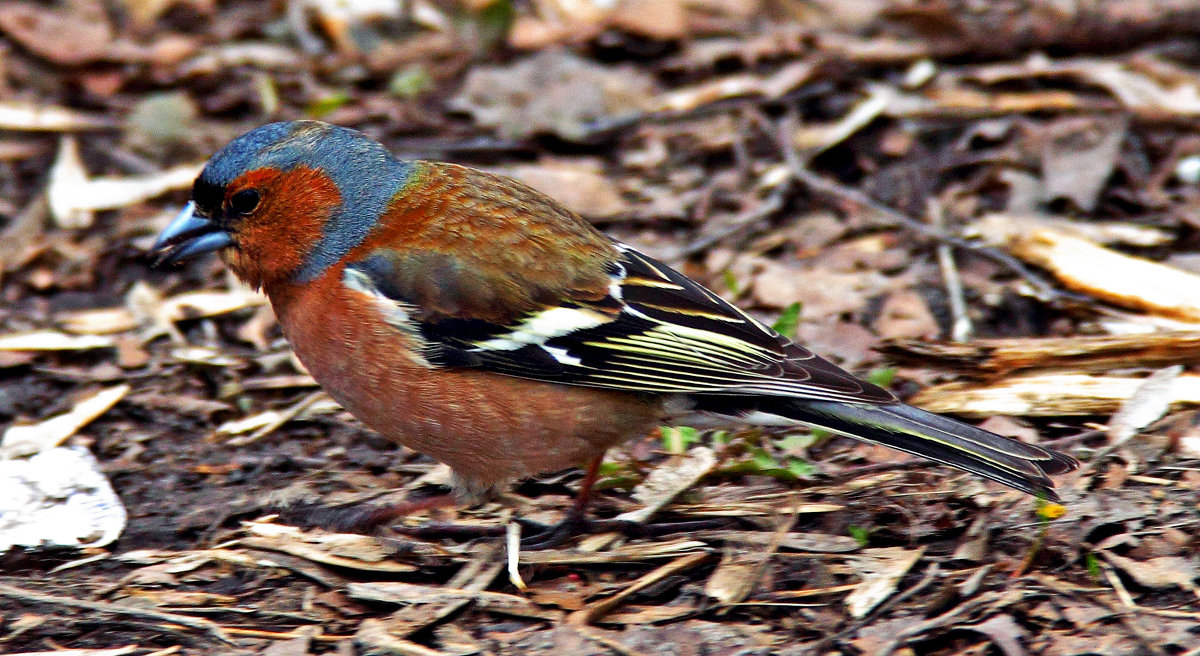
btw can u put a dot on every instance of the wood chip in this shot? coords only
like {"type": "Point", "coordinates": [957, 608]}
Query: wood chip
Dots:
{"type": "Point", "coordinates": [49, 340]}
{"type": "Point", "coordinates": [1047, 395]}
{"type": "Point", "coordinates": [1123, 280]}
{"type": "Point", "coordinates": [1076, 354]}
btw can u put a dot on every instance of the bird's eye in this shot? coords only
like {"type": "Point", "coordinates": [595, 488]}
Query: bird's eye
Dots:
{"type": "Point", "coordinates": [244, 201]}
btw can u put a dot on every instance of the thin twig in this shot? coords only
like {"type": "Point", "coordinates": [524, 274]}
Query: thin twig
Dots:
{"type": "Point", "coordinates": [745, 222]}
{"type": "Point", "coordinates": [961, 329]}
{"type": "Point", "coordinates": [199, 624]}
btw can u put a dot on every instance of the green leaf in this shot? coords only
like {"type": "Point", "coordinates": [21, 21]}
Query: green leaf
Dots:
{"type": "Point", "coordinates": [411, 82]}
{"type": "Point", "coordinates": [494, 22]}
{"type": "Point", "coordinates": [795, 442]}
{"type": "Point", "coordinates": [731, 282]}
{"type": "Point", "coordinates": [677, 439]}
{"type": "Point", "coordinates": [609, 468]}
{"type": "Point", "coordinates": [763, 460]}
{"type": "Point", "coordinates": [323, 106]}
{"type": "Point", "coordinates": [882, 376]}
{"type": "Point", "coordinates": [801, 468]}
{"type": "Point", "coordinates": [1092, 563]}
{"type": "Point", "coordinates": [860, 534]}
{"type": "Point", "coordinates": [788, 320]}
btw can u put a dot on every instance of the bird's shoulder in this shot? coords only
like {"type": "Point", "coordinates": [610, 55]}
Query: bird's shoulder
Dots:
{"type": "Point", "coordinates": [459, 243]}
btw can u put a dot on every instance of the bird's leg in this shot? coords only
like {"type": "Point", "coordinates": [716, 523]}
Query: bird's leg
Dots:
{"type": "Point", "coordinates": [575, 522]}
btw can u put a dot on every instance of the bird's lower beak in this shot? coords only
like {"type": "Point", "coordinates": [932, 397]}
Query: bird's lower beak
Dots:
{"type": "Point", "coordinates": [189, 235]}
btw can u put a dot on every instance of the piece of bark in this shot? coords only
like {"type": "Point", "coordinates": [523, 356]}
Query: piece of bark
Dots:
{"type": "Point", "coordinates": [1047, 395]}
{"type": "Point", "coordinates": [1076, 354]}
{"type": "Point", "coordinates": [1123, 280]}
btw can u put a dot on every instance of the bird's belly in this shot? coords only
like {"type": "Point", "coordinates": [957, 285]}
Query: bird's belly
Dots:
{"type": "Point", "coordinates": [488, 428]}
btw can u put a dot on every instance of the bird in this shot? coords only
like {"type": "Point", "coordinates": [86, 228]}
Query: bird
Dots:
{"type": "Point", "coordinates": [477, 321]}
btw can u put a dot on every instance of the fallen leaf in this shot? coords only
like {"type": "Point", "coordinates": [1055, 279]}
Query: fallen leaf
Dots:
{"type": "Point", "coordinates": [881, 570]}
{"type": "Point", "coordinates": [1157, 573]}
{"type": "Point", "coordinates": [668, 480]}
{"type": "Point", "coordinates": [552, 91]}
{"type": "Point", "coordinates": [52, 432]}
{"type": "Point", "coordinates": [69, 37]}
{"type": "Point", "coordinates": [1147, 404]}
{"type": "Point", "coordinates": [1078, 157]}
{"type": "Point", "coordinates": [74, 196]}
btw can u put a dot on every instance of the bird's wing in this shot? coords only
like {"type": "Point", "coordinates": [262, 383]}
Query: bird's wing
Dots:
{"type": "Point", "coordinates": [651, 330]}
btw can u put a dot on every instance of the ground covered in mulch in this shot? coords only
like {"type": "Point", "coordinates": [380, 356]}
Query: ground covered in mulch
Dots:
{"type": "Point", "coordinates": [989, 207]}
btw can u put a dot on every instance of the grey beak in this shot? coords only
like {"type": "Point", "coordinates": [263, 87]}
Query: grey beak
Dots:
{"type": "Point", "coordinates": [188, 236]}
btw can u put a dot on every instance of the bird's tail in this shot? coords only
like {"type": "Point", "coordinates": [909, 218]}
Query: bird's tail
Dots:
{"type": "Point", "coordinates": [1016, 464]}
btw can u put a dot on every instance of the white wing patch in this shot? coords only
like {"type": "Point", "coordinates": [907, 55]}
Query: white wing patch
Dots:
{"type": "Point", "coordinates": [544, 326]}
{"type": "Point", "coordinates": [396, 313]}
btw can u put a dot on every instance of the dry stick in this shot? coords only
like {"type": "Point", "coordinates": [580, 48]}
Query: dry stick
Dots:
{"type": "Point", "coordinates": [962, 329]}
{"type": "Point", "coordinates": [605, 606]}
{"type": "Point", "coordinates": [800, 172]}
{"type": "Point", "coordinates": [746, 221]}
{"type": "Point", "coordinates": [211, 628]}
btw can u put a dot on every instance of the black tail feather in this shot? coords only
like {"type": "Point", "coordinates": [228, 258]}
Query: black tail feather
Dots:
{"type": "Point", "coordinates": [1016, 464]}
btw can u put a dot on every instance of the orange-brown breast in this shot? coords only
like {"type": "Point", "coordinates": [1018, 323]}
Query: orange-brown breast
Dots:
{"type": "Point", "coordinates": [489, 428]}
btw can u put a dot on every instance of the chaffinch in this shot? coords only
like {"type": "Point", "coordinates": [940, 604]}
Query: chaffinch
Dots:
{"type": "Point", "coordinates": [478, 321]}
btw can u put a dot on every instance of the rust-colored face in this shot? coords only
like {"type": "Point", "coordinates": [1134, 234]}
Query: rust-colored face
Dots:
{"type": "Point", "coordinates": [272, 239]}
{"type": "Point", "coordinates": [264, 223]}
{"type": "Point", "coordinates": [286, 201]}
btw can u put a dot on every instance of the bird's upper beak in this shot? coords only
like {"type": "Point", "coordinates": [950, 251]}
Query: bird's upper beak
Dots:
{"type": "Point", "coordinates": [189, 235]}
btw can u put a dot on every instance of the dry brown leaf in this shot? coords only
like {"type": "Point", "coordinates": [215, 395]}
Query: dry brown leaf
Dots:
{"type": "Point", "coordinates": [356, 552]}
{"type": "Point", "coordinates": [882, 570]}
{"type": "Point", "coordinates": [779, 83]}
{"type": "Point", "coordinates": [1157, 573]}
{"type": "Point", "coordinates": [905, 314]}
{"type": "Point", "coordinates": [1003, 631]}
{"type": "Point", "coordinates": [395, 592]}
{"type": "Point", "coordinates": [1078, 157]}
{"type": "Point", "coordinates": [1148, 403]}
{"type": "Point", "coordinates": [71, 37]}
{"type": "Point", "coordinates": [668, 481]}
{"type": "Point", "coordinates": [554, 92]}
{"type": "Point", "coordinates": [47, 118]}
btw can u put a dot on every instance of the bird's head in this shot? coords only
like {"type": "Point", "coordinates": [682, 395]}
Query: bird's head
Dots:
{"type": "Point", "coordinates": [285, 201]}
